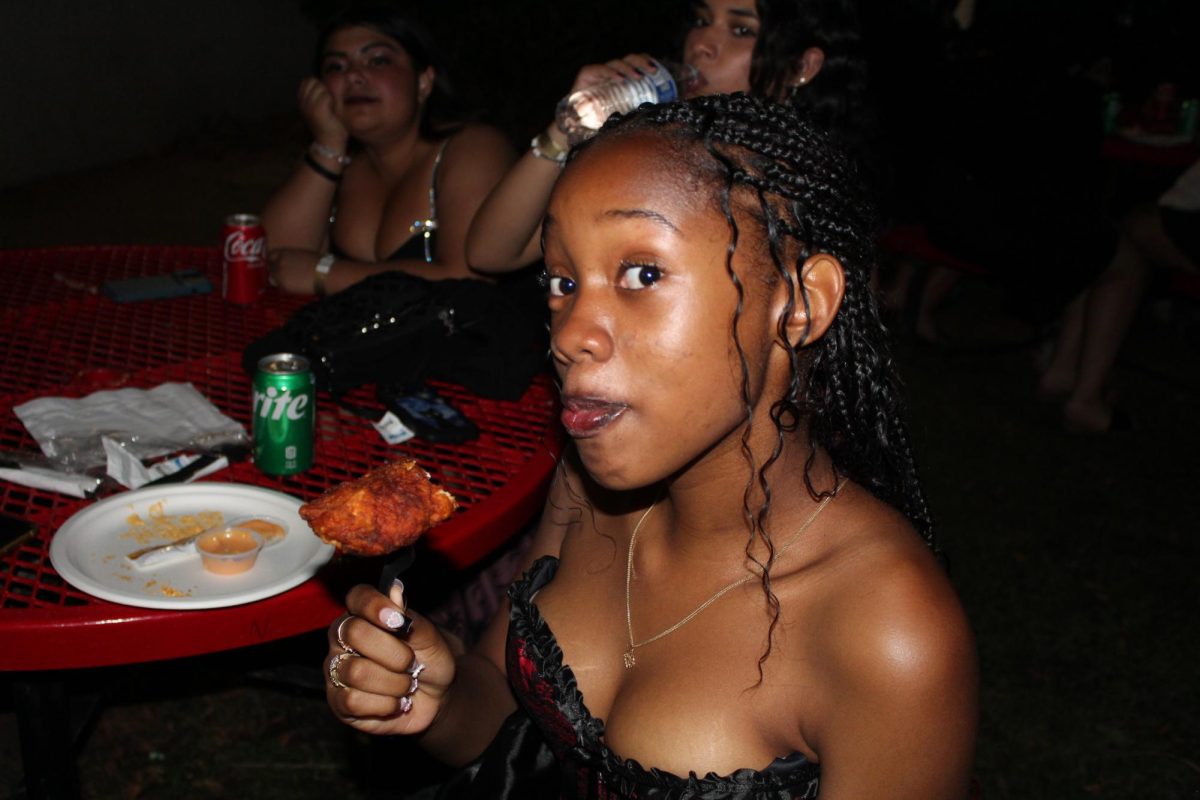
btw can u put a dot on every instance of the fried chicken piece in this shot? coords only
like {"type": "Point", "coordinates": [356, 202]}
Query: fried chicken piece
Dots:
{"type": "Point", "coordinates": [384, 510]}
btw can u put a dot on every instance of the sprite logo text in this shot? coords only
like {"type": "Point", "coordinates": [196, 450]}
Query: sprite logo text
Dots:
{"type": "Point", "coordinates": [273, 404]}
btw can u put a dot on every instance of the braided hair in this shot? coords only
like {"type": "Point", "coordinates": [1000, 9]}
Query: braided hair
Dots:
{"type": "Point", "coordinates": [838, 101]}
{"type": "Point", "coordinates": [780, 173]}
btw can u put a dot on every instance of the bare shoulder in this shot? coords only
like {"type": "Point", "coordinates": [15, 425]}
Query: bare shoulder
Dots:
{"type": "Point", "coordinates": [898, 616]}
{"type": "Point", "coordinates": [896, 662]}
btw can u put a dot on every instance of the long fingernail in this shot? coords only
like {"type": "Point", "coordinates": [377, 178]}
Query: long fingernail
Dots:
{"type": "Point", "coordinates": [392, 618]}
{"type": "Point", "coordinates": [405, 704]}
{"type": "Point", "coordinates": [397, 593]}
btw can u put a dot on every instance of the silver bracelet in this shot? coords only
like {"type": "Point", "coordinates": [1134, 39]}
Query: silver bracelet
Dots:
{"type": "Point", "coordinates": [545, 147]}
{"type": "Point", "coordinates": [316, 148]}
{"type": "Point", "coordinates": [320, 273]}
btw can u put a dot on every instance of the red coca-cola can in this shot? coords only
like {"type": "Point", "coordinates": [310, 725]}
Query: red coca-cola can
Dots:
{"type": "Point", "coordinates": [245, 244]}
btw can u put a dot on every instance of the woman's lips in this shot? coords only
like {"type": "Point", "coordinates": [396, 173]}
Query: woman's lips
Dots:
{"type": "Point", "coordinates": [584, 417]}
{"type": "Point", "coordinates": [357, 100]}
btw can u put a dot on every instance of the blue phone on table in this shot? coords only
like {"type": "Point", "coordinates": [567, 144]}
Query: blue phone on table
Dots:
{"type": "Point", "coordinates": [180, 283]}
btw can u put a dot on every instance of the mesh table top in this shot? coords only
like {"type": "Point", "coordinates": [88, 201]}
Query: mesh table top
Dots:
{"type": "Point", "coordinates": [60, 338]}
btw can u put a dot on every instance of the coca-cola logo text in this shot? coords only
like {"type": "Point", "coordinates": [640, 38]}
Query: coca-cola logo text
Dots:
{"type": "Point", "coordinates": [240, 247]}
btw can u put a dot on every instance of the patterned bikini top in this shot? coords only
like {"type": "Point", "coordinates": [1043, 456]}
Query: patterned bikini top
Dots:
{"type": "Point", "coordinates": [422, 239]}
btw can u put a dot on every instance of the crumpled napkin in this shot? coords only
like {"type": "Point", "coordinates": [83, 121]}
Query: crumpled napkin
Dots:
{"type": "Point", "coordinates": [128, 470]}
{"type": "Point", "coordinates": [141, 423]}
{"type": "Point", "coordinates": [68, 483]}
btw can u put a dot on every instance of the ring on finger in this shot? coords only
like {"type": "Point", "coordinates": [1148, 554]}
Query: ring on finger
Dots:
{"type": "Point", "coordinates": [336, 662]}
{"type": "Point", "coordinates": [339, 633]}
{"type": "Point", "coordinates": [415, 671]}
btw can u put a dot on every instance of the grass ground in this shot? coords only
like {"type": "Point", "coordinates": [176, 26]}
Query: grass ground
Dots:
{"type": "Point", "coordinates": [1075, 556]}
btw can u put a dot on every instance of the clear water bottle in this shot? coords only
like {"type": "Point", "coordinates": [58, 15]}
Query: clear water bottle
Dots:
{"type": "Point", "coordinates": [580, 114]}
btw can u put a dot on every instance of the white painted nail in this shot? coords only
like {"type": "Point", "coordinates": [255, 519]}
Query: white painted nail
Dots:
{"type": "Point", "coordinates": [391, 618]}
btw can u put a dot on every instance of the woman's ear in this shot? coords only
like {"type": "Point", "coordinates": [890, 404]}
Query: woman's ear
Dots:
{"type": "Point", "coordinates": [425, 84]}
{"type": "Point", "coordinates": [824, 283]}
{"type": "Point", "coordinates": [807, 66]}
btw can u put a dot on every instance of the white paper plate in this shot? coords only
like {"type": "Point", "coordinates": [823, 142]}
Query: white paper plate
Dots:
{"type": "Point", "coordinates": [88, 551]}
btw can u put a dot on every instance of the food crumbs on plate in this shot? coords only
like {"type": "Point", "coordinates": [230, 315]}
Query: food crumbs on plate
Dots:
{"type": "Point", "coordinates": [166, 589]}
{"type": "Point", "coordinates": [126, 578]}
{"type": "Point", "coordinates": [158, 527]}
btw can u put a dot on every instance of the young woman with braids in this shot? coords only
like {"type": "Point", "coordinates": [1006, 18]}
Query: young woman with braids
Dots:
{"type": "Point", "coordinates": [732, 592]}
{"type": "Point", "coordinates": [804, 52]}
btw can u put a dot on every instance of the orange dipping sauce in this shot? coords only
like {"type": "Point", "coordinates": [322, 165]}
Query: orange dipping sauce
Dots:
{"type": "Point", "coordinates": [229, 551]}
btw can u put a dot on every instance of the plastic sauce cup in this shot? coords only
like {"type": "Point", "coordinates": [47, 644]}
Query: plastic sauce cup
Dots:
{"type": "Point", "coordinates": [229, 550]}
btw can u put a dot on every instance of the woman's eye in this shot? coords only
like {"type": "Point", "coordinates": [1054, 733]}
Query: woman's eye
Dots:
{"type": "Point", "coordinates": [379, 61]}
{"type": "Point", "coordinates": [639, 276]}
{"type": "Point", "coordinates": [331, 67]}
{"type": "Point", "coordinates": [558, 286]}
{"type": "Point", "coordinates": [742, 31]}
{"type": "Point", "coordinates": [697, 22]}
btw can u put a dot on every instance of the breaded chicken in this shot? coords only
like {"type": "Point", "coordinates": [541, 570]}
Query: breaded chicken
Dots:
{"type": "Point", "coordinates": [384, 510]}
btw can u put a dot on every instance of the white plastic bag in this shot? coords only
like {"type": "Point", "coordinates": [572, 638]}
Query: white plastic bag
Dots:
{"type": "Point", "coordinates": [145, 422]}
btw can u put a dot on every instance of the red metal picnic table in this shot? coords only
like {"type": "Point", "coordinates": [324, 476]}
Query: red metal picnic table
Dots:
{"type": "Point", "coordinates": [62, 338]}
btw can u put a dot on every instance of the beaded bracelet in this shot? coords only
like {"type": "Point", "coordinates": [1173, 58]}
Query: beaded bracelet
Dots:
{"type": "Point", "coordinates": [316, 167]}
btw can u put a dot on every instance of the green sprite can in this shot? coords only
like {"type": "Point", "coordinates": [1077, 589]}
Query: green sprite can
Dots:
{"type": "Point", "coordinates": [285, 414]}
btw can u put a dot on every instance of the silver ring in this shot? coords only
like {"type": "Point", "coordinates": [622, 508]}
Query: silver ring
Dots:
{"type": "Point", "coordinates": [415, 672]}
{"type": "Point", "coordinates": [336, 662]}
{"type": "Point", "coordinates": [341, 641]}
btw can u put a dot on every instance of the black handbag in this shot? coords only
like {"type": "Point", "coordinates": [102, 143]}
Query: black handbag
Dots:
{"type": "Point", "coordinates": [395, 329]}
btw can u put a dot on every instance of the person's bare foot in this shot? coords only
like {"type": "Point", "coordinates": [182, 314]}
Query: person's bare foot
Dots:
{"type": "Point", "coordinates": [1094, 417]}
{"type": "Point", "coordinates": [1056, 384]}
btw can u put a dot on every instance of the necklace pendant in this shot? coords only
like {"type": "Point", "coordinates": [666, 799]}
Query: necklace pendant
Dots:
{"type": "Point", "coordinates": [629, 659]}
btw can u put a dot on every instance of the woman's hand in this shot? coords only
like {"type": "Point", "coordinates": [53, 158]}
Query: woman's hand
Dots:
{"type": "Point", "coordinates": [293, 271]}
{"type": "Point", "coordinates": [391, 682]}
{"type": "Point", "coordinates": [631, 67]}
{"type": "Point", "coordinates": [316, 105]}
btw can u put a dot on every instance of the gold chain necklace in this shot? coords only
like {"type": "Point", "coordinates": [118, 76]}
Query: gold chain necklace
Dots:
{"type": "Point", "coordinates": [630, 659]}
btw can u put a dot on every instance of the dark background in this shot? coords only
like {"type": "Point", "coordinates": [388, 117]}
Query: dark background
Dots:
{"type": "Point", "coordinates": [1075, 556]}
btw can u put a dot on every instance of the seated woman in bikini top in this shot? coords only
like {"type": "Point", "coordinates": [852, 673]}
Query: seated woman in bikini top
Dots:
{"type": "Point", "coordinates": [391, 180]}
